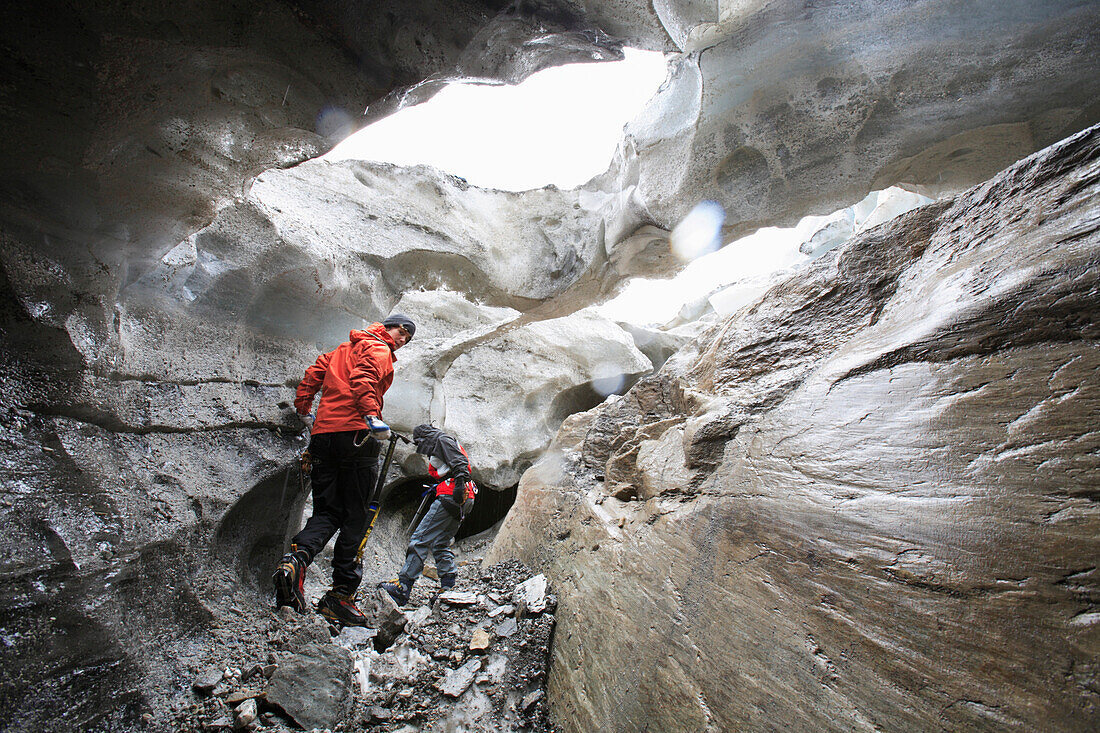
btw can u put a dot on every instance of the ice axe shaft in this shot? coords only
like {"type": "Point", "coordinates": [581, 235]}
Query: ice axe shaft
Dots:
{"type": "Point", "coordinates": [374, 502]}
{"type": "Point", "coordinates": [305, 465]}
{"type": "Point", "coordinates": [376, 493]}
{"type": "Point", "coordinates": [428, 496]}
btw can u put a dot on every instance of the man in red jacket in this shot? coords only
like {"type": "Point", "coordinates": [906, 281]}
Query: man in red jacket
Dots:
{"type": "Point", "coordinates": [344, 446]}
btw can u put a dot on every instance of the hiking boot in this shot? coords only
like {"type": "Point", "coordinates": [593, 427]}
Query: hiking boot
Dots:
{"type": "Point", "coordinates": [289, 580]}
{"type": "Point", "coordinates": [399, 589]}
{"type": "Point", "coordinates": [446, 582]}
{"type": "Point", "coordinates": [339, 608]}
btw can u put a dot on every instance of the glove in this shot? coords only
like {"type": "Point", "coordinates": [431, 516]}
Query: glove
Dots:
{"type": "Point", "coordinates": [379, 430]}
{"type": "Point", "coordinates": [451, 508]}
{"type": "Point", "coordinates": [308, 420]}
{"type": "Point", "coordinates": [460, 491]}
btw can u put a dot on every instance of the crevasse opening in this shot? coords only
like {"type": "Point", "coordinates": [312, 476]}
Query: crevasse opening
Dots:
{"type": "Point", "coordinates": [559, 126]}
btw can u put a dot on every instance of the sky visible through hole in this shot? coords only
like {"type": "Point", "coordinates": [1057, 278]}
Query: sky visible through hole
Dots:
{"type": "Point", "coordinates": [559, 126]}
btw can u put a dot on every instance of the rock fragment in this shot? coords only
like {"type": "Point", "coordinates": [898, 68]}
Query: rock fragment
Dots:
{"type": "Point", "coordinates": [313, 686]}
{"type": "Point", "coordinates": [357, 637]}
{"type": "Point", "coordinates": [205, 683]}
{"type": "Point", "coordinates": [530, 595]}
{"type": "Point", "coordinates": [380, 714]}
{"type": "Point", "coordinates": [383, 614]}
{"type": "Point", "coordinates": [507, 610]}
{"type": "Point", "coordinates": [237, 698]}
{"type": "Point", "coordinates": [531, 699]}
{"type": "Point", "coordinates": [418, 617]}
{"type": "Point", "coordinates": [479, 642]}
{"type": "Point", "coordinates": [459, 680]}
{"type": "Point", "coordinates": [458, 598]}
{"type": "Point", "coordinates": [245, 714]}
{"type": "Point", "coordinates": [506, 628]}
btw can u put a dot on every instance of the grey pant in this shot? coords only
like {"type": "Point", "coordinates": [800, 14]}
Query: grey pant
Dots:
{"type": "Point", "coordinates": [433, 534]}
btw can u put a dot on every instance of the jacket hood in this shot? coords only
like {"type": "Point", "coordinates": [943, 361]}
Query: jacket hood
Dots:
{"type": "Point", "coordinates": [426, 438]}
{"type": "Point", "coordinates": [374, 331]}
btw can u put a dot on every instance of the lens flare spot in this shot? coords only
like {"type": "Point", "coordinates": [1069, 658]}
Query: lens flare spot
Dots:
{"type": "Point", "coordinates": [699, 233]}
{"type": "Point", "coordinates": [608, 379]}
{"type": "Point", "coordinates": [334, 123]}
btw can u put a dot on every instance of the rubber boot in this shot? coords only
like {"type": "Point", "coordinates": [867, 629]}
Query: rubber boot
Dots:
{"type": "Point", "coordinates": [339, 608]}
{"type": "Point", "coordinates": [289, 580]}
{"type": "Point", "coordinates": [399, 589]}
{"type": "Point", "coordinates": [446, 582]}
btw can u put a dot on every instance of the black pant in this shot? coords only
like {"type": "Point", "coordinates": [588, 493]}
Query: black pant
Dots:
{"type": "Point", "coordinates": [343, 476]}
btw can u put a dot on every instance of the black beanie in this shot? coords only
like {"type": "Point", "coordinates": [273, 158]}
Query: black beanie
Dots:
{"type": "Point", "coordinates": [400, 319]}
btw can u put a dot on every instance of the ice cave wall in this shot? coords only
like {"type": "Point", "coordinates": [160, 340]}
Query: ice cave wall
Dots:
{"type": "Point", "coordinates": [867, 501]}
{"type": "Point", "coordinates": [159, 302]}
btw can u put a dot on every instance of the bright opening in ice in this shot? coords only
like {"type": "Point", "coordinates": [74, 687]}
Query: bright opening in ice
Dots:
{"type": "Point", "coordinates": [559, 126]}
{"type": "Point", "coordinates": [723, 281]}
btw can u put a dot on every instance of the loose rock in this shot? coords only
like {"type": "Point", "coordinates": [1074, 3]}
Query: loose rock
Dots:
{"type": "Point", "coordinates": [530, 595]}
{"type": "Point", "coordinates": [206, 682]}
{"type": "Point", "coordinates": [458, 598]}
{"type": "Point", "coordinates": [383, 614]}
{"type": "Point", "coordinates": [237, 698]}
{"type": "Point", "coordinates": [314, 686]}
{"type": "Point", "coordinates": [246, 714]}
{"type": "Point", "coordinates": [531, 699]}
{"type": "Point", "coordinates": [479, 642]}
{"type": "Point", "coordinates": [458, 680]}
{"type": "Point", "coordinates": [502, 610]}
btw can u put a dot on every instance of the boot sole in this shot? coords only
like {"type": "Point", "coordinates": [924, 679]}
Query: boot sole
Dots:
{"type": "Point", "coordinates": [285, 592]}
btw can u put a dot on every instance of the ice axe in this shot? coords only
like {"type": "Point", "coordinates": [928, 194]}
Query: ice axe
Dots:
{"type": "Point", "coordinates": [374, 501]}
{"type": "Point", "coordinates": [429, 491]}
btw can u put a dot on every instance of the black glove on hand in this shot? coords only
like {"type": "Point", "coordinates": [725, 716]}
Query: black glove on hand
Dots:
{"type": "Point", "coordinates": [451, 508]}
{"type": "Point", "coordinates": [460, 491]}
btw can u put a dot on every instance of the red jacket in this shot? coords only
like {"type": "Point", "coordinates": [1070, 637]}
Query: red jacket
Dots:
{"type": "Point", "coordinates": [447, 488]}
{"type": "Point", "coordinates": [352, 379]}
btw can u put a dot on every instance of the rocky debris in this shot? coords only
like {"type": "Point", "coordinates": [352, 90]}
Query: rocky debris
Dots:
{"type": "Point", "coordinates": [507, 610]}
{"type": "Point", "coordinates": [359, 637]}
{"type": "Point", "coordinates": [451, 669]}
{"type": "Point", "coordinates": [506, 628]}
{"type": "Point", "coordinates": [531, 699]}
{"type": "Point", "coordinates": [237, 698]}
{"type": "Point", "coordinates": [463, 663]}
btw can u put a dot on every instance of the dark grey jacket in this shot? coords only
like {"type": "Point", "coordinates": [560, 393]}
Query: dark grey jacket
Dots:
{"type": "Point", "coordinates": [434, 443]}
